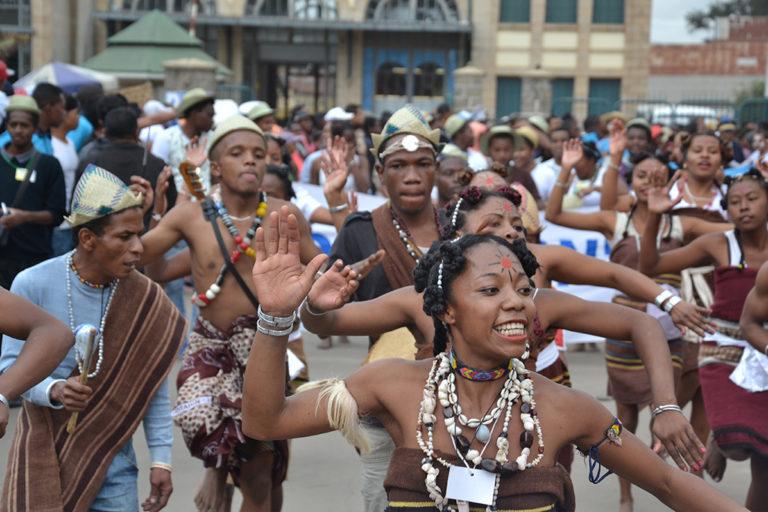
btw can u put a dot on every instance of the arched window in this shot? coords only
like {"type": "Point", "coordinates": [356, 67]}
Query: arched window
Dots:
{"type": "Point", "coordinates": [412, 10]}
{"type": "Point", "coordinates": [390, 79]}
{"type": "Point", "coordinates": [428, 80]}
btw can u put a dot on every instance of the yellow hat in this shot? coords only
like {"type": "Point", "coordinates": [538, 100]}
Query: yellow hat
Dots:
{"type": "Point", "coordinates": [528, 134]}
{"type": "Point", "coordinates": [501, 130]}
{"type": "Point", "coordinates": [610, 116]}
{"type": "Point", "coordinates": [539, 122]}
{"type": "Point", "coordinates": [452, 150]}
{"type": "Point", "coordinates": [235, 123]}
{"type": "Point", "coordinates": [407, 120]}
{"type": "Point", "coordinates": [259, 110]}
{"type": "Point", "coordinates": [724, 127]}
{"type": "Point", "coordinates": [454, 124]}
{"type": "Point", "coordinates": [100, 193]}
{"type": "Point", "coordinates": [191, 98]}
{"type": "Point", "coordinates": [23, 104]}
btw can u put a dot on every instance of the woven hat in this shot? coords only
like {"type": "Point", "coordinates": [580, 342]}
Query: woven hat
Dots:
{"type": "Point", "coordinates": [452, 150]}
{"type": "Point", "coordinates": [407, 120]}
{"type": "Point", "coordinates": [22, 104]}
{"type": "Point", "coordinates": [259, 110]}
{"type": "Point", "coordinates": [191, 98]}
{"type": "Point", "coordinates": [454, 124]}
{"type": "Point", "coordinates": [610, 116]}
{"type": "Point", "coordinates": [100, 193]}
{"type": "Point", "coordinates": [539, 122]}
{"type": "Point", "coordinates": [501, 130]}
{"type": "Point", "coordinates": [232, 124]}
{"type": "Point", "coordinates": [528, 134]}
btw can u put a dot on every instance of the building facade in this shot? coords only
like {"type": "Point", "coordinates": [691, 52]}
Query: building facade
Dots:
{"type": "Point", "coordinates": [505, 56]}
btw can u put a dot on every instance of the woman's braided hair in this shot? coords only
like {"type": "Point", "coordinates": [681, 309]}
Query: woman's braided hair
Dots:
{"type": "Point", "coordinates": [471, 198]}
{"type": "Point", "coordinates": [445, 261]}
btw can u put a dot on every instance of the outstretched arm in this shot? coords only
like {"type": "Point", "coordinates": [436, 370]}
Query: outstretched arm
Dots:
{"type": "Point", "coordinates": [755, 312]}
{"type": "Point", "coordinates": [569, 266]}
{"type": "Point", "coordinates": [637, 463]}
{"type": "Point", "coordinates": [565, 311]}
{"type": "Point", "coordinates": [367, 318]}
{"type": "Point", "coordinates": [281, 284]}
{"type": "Point", "coordinates": [158, 240]}
{"type": "Point", "coordinates": [610, 199]}
{"type": "Point", "coordinates": [602, 221]}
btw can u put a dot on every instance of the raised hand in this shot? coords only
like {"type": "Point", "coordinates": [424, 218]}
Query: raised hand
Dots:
{"type": "Point", "coordinates": [618, 138]}
{"type": "Point", "coordinates": [281, 282]}
{"type": "Point", "coordinates": [335, 167]}
{"type": "Point", "coordinates": [364, 267]}
{"type": "Point", "coordinates": [572, 153]}
{"type": "Point", "coordinates": [658, 193]}
{"type": "Point", "coordinates": [196, 151]}
{"type": "Point", "coordinates": [141, 186]}
{"type": "Point", "coordinates": [333, 288]}
{"type": "Point", "coordinates": [161, 188]}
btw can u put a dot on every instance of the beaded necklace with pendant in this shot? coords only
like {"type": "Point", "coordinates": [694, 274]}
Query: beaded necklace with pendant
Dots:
{"type": "Point", "coordinates": [405, 236]}
{"type": "Point", "coordinates": [242, 246]}
{"type": "Point", "coordinates": [102, 323]}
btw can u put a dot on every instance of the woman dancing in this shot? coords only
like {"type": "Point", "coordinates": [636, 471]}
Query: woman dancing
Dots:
{"type": "Point", "coordinates": [736, 402]}
{"type": "Point", "coordinates": [481, 416]}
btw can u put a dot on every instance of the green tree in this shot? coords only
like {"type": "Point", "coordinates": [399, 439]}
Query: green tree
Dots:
{"type": "Point", "coordinates": [704, 18]}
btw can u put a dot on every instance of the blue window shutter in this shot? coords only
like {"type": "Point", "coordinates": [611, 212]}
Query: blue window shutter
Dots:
{"type": "Point", "coordinates": [515, 11]}
{"type": "Point", "coordinates": [562, 94]}
{"type": "Point", "coordinates": [603, 95]}
{"type": "Point", "coordinates": [508, 96]}
{"type": "Point", "coordinates": [561, 11]}
{"type": "Point", "coordinates": [608, 11]}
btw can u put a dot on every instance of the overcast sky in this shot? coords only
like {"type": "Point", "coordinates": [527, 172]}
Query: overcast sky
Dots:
{"type": "Point", "coordinates": [668, 21]}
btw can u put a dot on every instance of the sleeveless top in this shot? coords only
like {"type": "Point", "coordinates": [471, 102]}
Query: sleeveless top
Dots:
{"type": "Point", "coordinates": [732, 283]}
{"type": "Point", "coordinates": [539, 488]}
{"type": "Point", "coordinates": [625, 245]}
{"type": "Point", "coordinates": [712, 212]}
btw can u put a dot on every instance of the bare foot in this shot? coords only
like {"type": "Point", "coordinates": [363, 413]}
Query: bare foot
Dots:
{"type": "Point", "coordinates": [626, 506]}
{"type": "Point", "coordinates": [325, 343]}
{"type": "Point", "coordinates": [715, 461]}
{"type": "Point", "coordinates": [214, 495]}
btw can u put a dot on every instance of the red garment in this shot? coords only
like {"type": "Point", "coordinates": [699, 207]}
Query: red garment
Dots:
{"type": "Point", "coordinates": [732, 285]}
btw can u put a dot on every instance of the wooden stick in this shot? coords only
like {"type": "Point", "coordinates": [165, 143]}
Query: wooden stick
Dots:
{"type": "Point", "coordinates": [89, 332]}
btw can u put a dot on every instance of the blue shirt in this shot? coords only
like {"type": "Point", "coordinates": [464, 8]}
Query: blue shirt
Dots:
{"type": "Point", "coordinates": [45, 285]}
{"type": "Point", "coordinates": [41, 141]}
{"type": "Point", "coordinates": [82, 134]}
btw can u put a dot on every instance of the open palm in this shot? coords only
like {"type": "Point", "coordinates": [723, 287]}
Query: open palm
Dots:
{"type": "Point", "coordinates": [658, 194]}
{"type": "Point", "coordinates": [280, 280]}
{"type": "Point", "coordinates": [572, 153]}
{"type": "Point", "coordinates": [335, 166]}
{"type": "Point", "coordinates": [333, 288]}
{"type": "Point", "coordinates": [618, 140]}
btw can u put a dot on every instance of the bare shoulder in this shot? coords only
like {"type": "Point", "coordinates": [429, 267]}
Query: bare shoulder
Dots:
{"type": "Point", "coordinates": [184, 213]}
{"type": "Point", "coordinates": [390, 375]}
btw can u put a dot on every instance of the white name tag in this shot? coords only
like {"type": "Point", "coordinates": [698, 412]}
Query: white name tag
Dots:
{"type": "Point", "coordinates": [21, 175]}
{"type": "Point", "coordinates": [472, 485]}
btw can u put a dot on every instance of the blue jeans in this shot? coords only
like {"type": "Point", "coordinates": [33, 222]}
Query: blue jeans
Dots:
{"type": "Point", "coordinates": [120, 492]}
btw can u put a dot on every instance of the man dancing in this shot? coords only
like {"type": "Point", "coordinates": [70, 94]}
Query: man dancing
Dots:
{"type": "Point", "coordinates": [220, 230]}
{"type": "Point", "coordinates": [94, 468]}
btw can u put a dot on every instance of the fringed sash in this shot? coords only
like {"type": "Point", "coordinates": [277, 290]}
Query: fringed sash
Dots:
{"type": "Point", "coordinates": [50, 470]}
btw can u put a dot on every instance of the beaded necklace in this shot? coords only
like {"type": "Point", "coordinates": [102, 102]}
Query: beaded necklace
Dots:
{"type": "Point", "coordinates": [470, 373]}
{"type": "Point", "coordinates": [441, 386]}
{"type": "Point", "coordinates": [105, 312]}
{"type": "Point", "coordinates": [405, 236]}
{"type": "Point", "coordinates": [242, 246]}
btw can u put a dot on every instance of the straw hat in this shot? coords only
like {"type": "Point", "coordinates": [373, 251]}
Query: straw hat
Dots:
{"type": "Point", "coordinates": [100, 193]}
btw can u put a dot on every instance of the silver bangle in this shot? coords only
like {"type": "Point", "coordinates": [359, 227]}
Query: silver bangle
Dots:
{"type": "Point", "coordinates": [664, 408]}
{"type": "Point", "coordinates": [309, 309]}
{"type": "Point", "coordinates": [277, 320]}
{"type": "Point", "coordinates": [560, 184]}
{"type": "Point", "coordinates": [161, 465]}
{"type": "Point", "coordinates": [671, 303]}
{"type": "Point", "coordinates": [4, 401]}
{"type": "Point", "coordinates": [277, 333]}
{"type": "Point", "coordinates": [662, 297]}
{"type": "Point", "coordinates": [339, 208]}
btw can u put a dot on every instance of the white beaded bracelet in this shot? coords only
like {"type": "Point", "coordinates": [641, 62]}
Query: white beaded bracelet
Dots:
{"type": "Point", "coordinates": [662, 297]}
{"type": "Point", "coordinates": [671, 303]}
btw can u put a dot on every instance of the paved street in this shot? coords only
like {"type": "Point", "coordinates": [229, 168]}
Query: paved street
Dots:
{"type": "Point", "coordinates": [324, 470]}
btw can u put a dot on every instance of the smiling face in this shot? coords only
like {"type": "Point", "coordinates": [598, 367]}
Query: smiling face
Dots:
{"type": "Point", "coordinates": [408, 177]}
{"type": "Point", "coordinates": [748, 204]}
{"type": "Point", "coordinates": [703, 158]}
{"type": "Point", "coordinates": [490, 307]}
{"type": "Point", "coordinates": [495, 216]}
{"type": "Point", "coordinates": [523, 155]}
{"type": "Point", "coordinates": [239, 161]}
{"type": "Point", "coordinates": [642, 177]}
{"type": "Point", "coordinates": [501, 149]}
